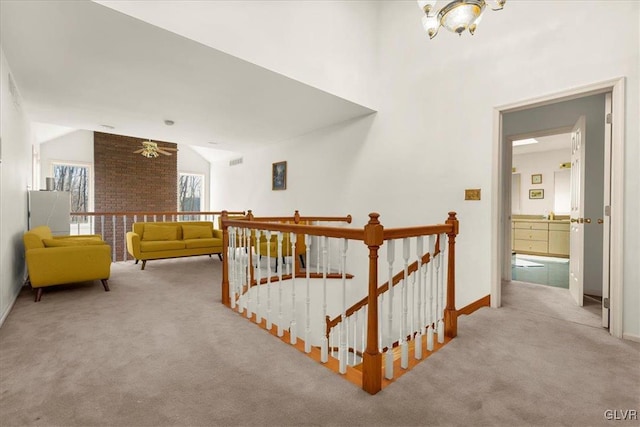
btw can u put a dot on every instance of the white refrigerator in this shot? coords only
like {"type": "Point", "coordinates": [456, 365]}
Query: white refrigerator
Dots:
{"type": "Point", "coordinates": [52, 208]}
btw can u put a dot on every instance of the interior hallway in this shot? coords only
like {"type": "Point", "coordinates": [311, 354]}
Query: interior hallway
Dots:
{"type": "Point", "coordinates": [160, 349]}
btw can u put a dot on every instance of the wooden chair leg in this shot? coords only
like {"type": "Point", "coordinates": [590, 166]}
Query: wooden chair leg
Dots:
{"type": "Point", "coordinates": [144, 262]}
{"type": "Point", "coordinates": [38, 294]}
{"type": "Point", "coordinates": [137, 261]}
{"type": "Point", "coordinates": [105, 283]}
{"type": "Point", "coordinates": [302, 261]}
{"type": "Point", "coordinates": [220, 256]}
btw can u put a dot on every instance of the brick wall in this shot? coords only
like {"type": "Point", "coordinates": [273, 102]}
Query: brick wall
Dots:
{"type": "Point", "coordinates": [128, 182]}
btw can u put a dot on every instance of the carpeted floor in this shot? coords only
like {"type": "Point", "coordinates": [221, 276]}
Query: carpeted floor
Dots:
{"type": "Point", "coordinates": [160, 349]}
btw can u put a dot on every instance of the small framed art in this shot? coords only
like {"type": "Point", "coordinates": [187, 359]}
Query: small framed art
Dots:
{"type": "Point", "coordinates": [279, 176]}
{"type": "Point", "coordinates": [536, 194]}
{"type": "Point", "coordinates": [536, 178]}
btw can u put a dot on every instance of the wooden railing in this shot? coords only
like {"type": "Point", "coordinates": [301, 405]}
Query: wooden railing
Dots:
{"type": "Point", "coordinates": [242, 280]}
{"type": "Point", "coordinates": [113, 226]}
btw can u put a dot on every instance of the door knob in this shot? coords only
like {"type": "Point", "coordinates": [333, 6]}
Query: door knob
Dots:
{"type": "Point", "coordinates": [587, 220]}
{"type": "Point", "coordinates": [600, 221]}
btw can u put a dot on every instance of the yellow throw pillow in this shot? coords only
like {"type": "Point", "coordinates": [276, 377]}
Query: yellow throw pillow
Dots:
{"type": "Point", "coordinates": [160, 232]}
{"type": "Point", "coordinates": [56, 243]}
{"type": "Point", "coordinates": [196, 232]}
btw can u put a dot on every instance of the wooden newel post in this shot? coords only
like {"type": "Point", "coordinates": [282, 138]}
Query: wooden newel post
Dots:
{"type": "Point", "coordinates": [450, 312]}
{"type": "Point", "coordinates": [372, 359]}
{"type": "Point", "coordinates": [225, 259]}
{"type": "Point", "coordinates": [249, 242]}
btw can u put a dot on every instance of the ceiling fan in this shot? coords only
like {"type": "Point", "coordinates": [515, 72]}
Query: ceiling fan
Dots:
{"type": "Point", "coordinates": [151, 150]}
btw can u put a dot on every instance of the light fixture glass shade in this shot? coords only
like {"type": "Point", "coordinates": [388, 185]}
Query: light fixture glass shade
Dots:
{"type": "Point", "coordinates": [459, 15]}
{"type": "Point", "coordinates": [431, 25]}
{"type": "Point", "coordinates": [426, 5]}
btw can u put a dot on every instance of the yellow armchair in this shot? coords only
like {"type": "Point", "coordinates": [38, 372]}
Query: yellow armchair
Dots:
{"type": "Point", "coordinates": [58, 260]}
{"type": "Point", "coordinates": [272, 246]}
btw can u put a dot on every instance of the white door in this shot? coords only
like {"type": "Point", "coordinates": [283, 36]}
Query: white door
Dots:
{"type": "Point", "coordinates": [605, 220]}
{"type": "Point", "coordinates": [576, 240]}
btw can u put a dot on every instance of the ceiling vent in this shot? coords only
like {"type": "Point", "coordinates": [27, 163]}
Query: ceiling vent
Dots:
{"type": "Point", "coordinates": [235, 162]}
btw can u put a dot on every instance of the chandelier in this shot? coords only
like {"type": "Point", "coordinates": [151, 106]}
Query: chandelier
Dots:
{"type": "Point", "coordinates": [456, 16]}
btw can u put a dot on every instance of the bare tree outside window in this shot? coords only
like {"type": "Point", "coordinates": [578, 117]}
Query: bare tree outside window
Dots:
{"type": "Point", "coordinates": [74, 179]}
{"type": "Point", "coordinates": [190, 189]}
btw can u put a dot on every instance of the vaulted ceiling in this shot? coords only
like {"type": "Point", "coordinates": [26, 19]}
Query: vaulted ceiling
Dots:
{"type": "Point", "coordinates": [82, 65]}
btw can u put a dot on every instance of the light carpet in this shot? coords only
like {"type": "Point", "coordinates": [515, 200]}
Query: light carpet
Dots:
{"type": "Point", "coordinates": [160, 350]}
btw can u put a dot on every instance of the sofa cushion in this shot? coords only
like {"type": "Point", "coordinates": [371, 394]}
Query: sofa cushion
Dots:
{"type": "Point", "coordinates": [203, 243]}
{"type": "Point", "coordinates": [79, 241]}
{"type": "Point", "coordinates": [196, 232]}
{"type": "Point", "coordinates": [160, 232]}
{"type": "Point", "coordinates": [161, 245]}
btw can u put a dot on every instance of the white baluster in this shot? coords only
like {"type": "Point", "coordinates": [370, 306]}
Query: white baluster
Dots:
{"type": "Point", "coordinates": [258, 278]}
{"type": "Point", "coordinates": [419, 318]}
{"type": "Point", "coordinates": [404, 330]}
{"type": "Point", "coordinates": [443, 250]}
{"type": "Point", "coordinates": [343, 324]}
{"type": "Point", "coordinates": [388, 370]}
{"type": "Point", "coordinates": [323, 342]}
{"type": "Point", "coordinates": [363, 331]}
{"type": "Point", "coordinates": [307, 331]}
{"type": "Point", "coordinates": [279, 237]}
{"type": "Point", "coordinates": [247, 268]}
{"type": "Point", "coordinates": [355, 337]}
{"type": "Point", "coordinates": [268, 233]}
{"type": "Point", "coordinates": [232, 266]}
{"type": "Point", "coordinates": [293, 333]}
{"type": "Point", "coordinates": [431, 267]}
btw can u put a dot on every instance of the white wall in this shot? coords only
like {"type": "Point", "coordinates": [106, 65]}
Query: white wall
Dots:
{"type": "Point", "coordinates": [433, 136]}
{"type": "Point", "coordinates": [15, 177]}
{"type": "Point", "coordinates": [327, 44]}
{"type": "Point", "coordinates": [545, 163]}
{"type": "Point", "coordinates": [74, 147]}
{"type": "Point", "coordinates": [189, 161]}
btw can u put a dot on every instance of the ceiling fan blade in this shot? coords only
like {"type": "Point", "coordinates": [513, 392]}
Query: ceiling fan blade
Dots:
{"type": "Point", "coordinates": [138, 151]}
{"type": "Point", "coordinates": [169, 148]}
{"type": "Point", "coordinates": [161, 151]}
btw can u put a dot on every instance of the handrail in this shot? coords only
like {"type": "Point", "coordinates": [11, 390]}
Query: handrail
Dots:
{"type": "Point", "coordinates": [413, 267]}
{"type": "Point", "coordinates": [374, 236]}
{"type": "Point", "coordinates": [131, 213]}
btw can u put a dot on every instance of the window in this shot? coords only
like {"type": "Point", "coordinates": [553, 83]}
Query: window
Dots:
{"type": "Point", "coordinates": [74, 179]}
{"type": "Point", "coordinates": [190, 193]}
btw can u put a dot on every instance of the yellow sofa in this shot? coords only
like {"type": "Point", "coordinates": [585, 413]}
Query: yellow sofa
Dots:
{"type": "Point", "coordinates": [58, 260]}
{"type": "Point", "coordinates": [161, 240]}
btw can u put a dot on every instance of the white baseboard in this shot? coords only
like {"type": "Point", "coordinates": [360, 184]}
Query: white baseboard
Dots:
{"type": "Point", "coordinates": [630, 337]}
{"type": "Point", "coordinates": [10, 307]}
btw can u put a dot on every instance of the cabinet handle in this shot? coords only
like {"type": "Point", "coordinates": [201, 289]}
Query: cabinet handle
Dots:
{"type": "Point", "coordinates": [600, 221]}
{"type": "Point", "coordinates": [587, 220]}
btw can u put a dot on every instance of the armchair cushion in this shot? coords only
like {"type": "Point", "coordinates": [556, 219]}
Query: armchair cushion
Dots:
{"type": "Point", "coordinates": [55, 243]}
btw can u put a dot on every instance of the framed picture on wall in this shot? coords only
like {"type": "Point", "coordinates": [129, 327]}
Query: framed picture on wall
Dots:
{"type": "Point", "coordinates": [536, 194]}
{"type": "Point", "coordinates": [536, 178]}
{"type": "Point", "coordinates": [279, 176]}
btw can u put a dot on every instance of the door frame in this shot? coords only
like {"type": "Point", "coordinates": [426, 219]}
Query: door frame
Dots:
{"type": "Point", "coordinates": [501, 210]}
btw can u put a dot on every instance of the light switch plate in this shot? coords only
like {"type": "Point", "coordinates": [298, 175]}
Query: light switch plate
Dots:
{"type": "Point", "coordinates": [472, 194]}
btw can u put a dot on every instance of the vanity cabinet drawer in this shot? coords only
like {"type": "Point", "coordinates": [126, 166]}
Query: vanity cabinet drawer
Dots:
{"type": "Point", "coordinates": [539, 246]}
{"type": "Point", "coordinates": [521, 234]}
{"type": "Point", "coordinates": [559, 226]}
{"type": "Point", "coordinates": [530, 225]}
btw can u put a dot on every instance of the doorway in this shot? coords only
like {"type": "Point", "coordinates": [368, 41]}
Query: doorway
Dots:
{"type": "Point", "coordinates": [552, 112]}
